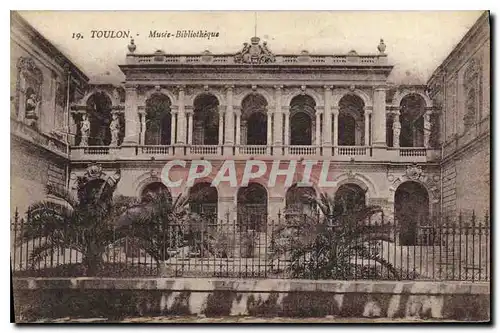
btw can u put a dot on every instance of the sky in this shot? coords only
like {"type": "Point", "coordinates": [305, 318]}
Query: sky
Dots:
{"type": "Point", "coordinates": [417, 41]}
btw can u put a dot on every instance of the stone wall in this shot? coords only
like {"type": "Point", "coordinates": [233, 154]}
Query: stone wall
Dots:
{"type": "Point", "coordinates": [32, 168]}
{"type": "Point", "coordinates": [36, 298]}
{"type": "Point", "coordinates": [473, 180]}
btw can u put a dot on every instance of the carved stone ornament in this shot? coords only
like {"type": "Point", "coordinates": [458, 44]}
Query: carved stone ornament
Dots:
{"type": "Point", "coordinates": [414, 171]}
{"type": "Point", "coordinates": [28, 66]}
{"type": "Point", "coordinates": [28, 86]}
{"type": "Point", "coordinates": [254, 53]}
{"type": "Point", "coordinates": [94, 171]}
{"type": "Point", "coordinates": [351, 174]}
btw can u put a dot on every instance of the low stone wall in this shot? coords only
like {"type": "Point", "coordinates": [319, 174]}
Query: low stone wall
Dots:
{"type": "Point", "coordinates": [116, 298]}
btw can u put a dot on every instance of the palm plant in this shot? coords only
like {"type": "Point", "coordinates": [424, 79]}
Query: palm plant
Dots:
{"type": "Point", "coordinates": [81, 222]}
{"type": "Point", "coordinates": [333, 243]}
{"type": "Point", "coordinates": [157, 224]}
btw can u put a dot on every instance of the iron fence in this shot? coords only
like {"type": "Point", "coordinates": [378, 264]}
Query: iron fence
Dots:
{"type": "Point", "coordinates": [445, 249]}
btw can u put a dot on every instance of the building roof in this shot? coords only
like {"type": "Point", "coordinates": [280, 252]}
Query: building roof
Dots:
{"type": "Point", "coordinates": [47, 46]}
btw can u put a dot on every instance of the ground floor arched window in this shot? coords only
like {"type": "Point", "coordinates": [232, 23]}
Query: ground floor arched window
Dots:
{"type": "Point", "coordinates": [349, 197]}
{"type": "Point", "coordinates": [203, 200]}
{"type": "Point", "coordinates": [299, 200]}
{"type": "Point", "coordinates": [411, 210]}
{"type": "Point", "coordinates": [252, 208]}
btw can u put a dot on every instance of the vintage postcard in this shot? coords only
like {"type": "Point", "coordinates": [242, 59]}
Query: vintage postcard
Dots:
{"type": "Point", "coordinates": [247, 166]}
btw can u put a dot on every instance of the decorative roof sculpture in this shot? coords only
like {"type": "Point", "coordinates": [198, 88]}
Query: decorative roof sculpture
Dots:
{"type": "Point", "coordinates": [254, 53]}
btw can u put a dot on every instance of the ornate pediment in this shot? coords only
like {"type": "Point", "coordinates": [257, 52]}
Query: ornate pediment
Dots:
{"type": "Point", "coordinates": [254, 53]}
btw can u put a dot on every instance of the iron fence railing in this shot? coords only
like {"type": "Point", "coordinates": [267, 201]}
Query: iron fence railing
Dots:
{"type": "Point", "coordinates": [457, 249]}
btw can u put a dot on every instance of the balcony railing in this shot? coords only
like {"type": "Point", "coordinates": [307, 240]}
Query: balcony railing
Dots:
{"type": "Point", "coordinates": [280, 59]}
{"type": "Point", "coordinates": [156, 150]}
{"type": "Point", "coordinates": [205, 150]}
{"type": "Point", "coordinates": [417, 154]}
{"type": "Point", "coordinates": [352, 150]}
{"type": "Point", "coordinates": [302, 150]}
{"type": "Point", "coordinates": [97, 150]}
{"type": "Point", "coordinates": [412, 151]}
{"type": "Point", "coordinates": [253, 150]}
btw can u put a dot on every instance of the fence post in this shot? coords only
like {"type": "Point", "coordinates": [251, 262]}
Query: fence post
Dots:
{"type": "Point", "coordinates": [473, 243]}
{"type": "Point", "coordinates": [14, 246]}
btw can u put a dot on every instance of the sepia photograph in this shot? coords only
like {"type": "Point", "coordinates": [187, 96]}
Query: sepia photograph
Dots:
{"type": "Point", "coordinates": [250, 166]}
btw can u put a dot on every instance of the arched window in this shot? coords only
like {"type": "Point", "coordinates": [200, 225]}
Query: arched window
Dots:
{"type": "Point", "coordinates": [351, 121]}
{"type": "Point", "coordinates": [206, 120]}
{"type": "Point", "coordinates": [300, 129]}
{"type": "Point", "coordinates": [349, 197]}
{"type": "Point", "coordinates": [99, 114]}
{"type": "Point", "coordinates": [158, 120]}
{"type": "Point", "coordinates": [302, 120]}
{"type": "Point", "coordinates": [347, 130]}
{"type": "Point", "coordinates": [254, 124]}
{"type": "Point", "coordinates": [411, 209]}
{"type": "Point", "coordinates": [300, 200]}
{"type": "Point", "coordinates": [203, 199]}
{"type": "Point", "coordinates": [252, 207]}
{"type": "Point", "coordinates": [412, 121]}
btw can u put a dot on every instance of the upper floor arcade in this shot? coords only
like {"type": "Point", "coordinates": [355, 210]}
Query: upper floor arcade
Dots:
{"type": "Point", "coordinates": [255, 103]}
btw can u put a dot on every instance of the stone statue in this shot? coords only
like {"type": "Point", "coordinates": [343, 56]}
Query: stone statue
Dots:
{"type": "Point", "coordinates": [267, 55]}
{"type": "Point", "coordinates": [114, 128]}
{"type": "Point", "coordinates": [239, 56]}
{"type": "Point", "coordinates": [427, 129]}
{"type": "Point", "coordinates": [396, 128]}
{"type": "Point", "coordinates": [85, 130]}
{"type": "Point", "coordinates": [32, 106]}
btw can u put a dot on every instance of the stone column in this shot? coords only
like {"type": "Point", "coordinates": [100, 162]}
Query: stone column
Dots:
{"type": "Point", "coordinates": [238, 127]}
{"type": "Point", "coordinates": [173, 125]}
{"type": "Point", "coordinates": [335, 123]}
{"type": "Point", "coordinates": [181, 117]}
{"type": "Point", "coordinates": [221, 126]}
{"type": "Point", "coordinates": [269, 128]}
{"type": "Point", "coordinates": [269, 141]}
{"type": "Point", "coordinates": [143, 128]}
{"type": "Point", "coordinates": [278, 118]}
{"type": "Point", "coordinates": [327, 122]}
{"type": "Point", "coordinates": [368, 112]}
{"type": "Point", "coordinates": [318, 127]}
{"type": "Point", "coordinates": [131, 116]}
{"type": "Point", "coordinates": [286, 111]}
{"type": "Point", "coordinates": [190, 126]}
{"type": "Point", "coordinates": [427, 128]}
{"type": "Point", "coordinates": [73, 127]}
{"type": "Point", "coordinates": [229, 137]}
{"type": "Point", "coordinates": [396, 130]}
{"type": "Point", "coordinates": [379, 118]}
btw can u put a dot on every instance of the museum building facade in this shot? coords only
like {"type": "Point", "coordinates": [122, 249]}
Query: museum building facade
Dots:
{"type": "Point", "coordinates": [386, 144]}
